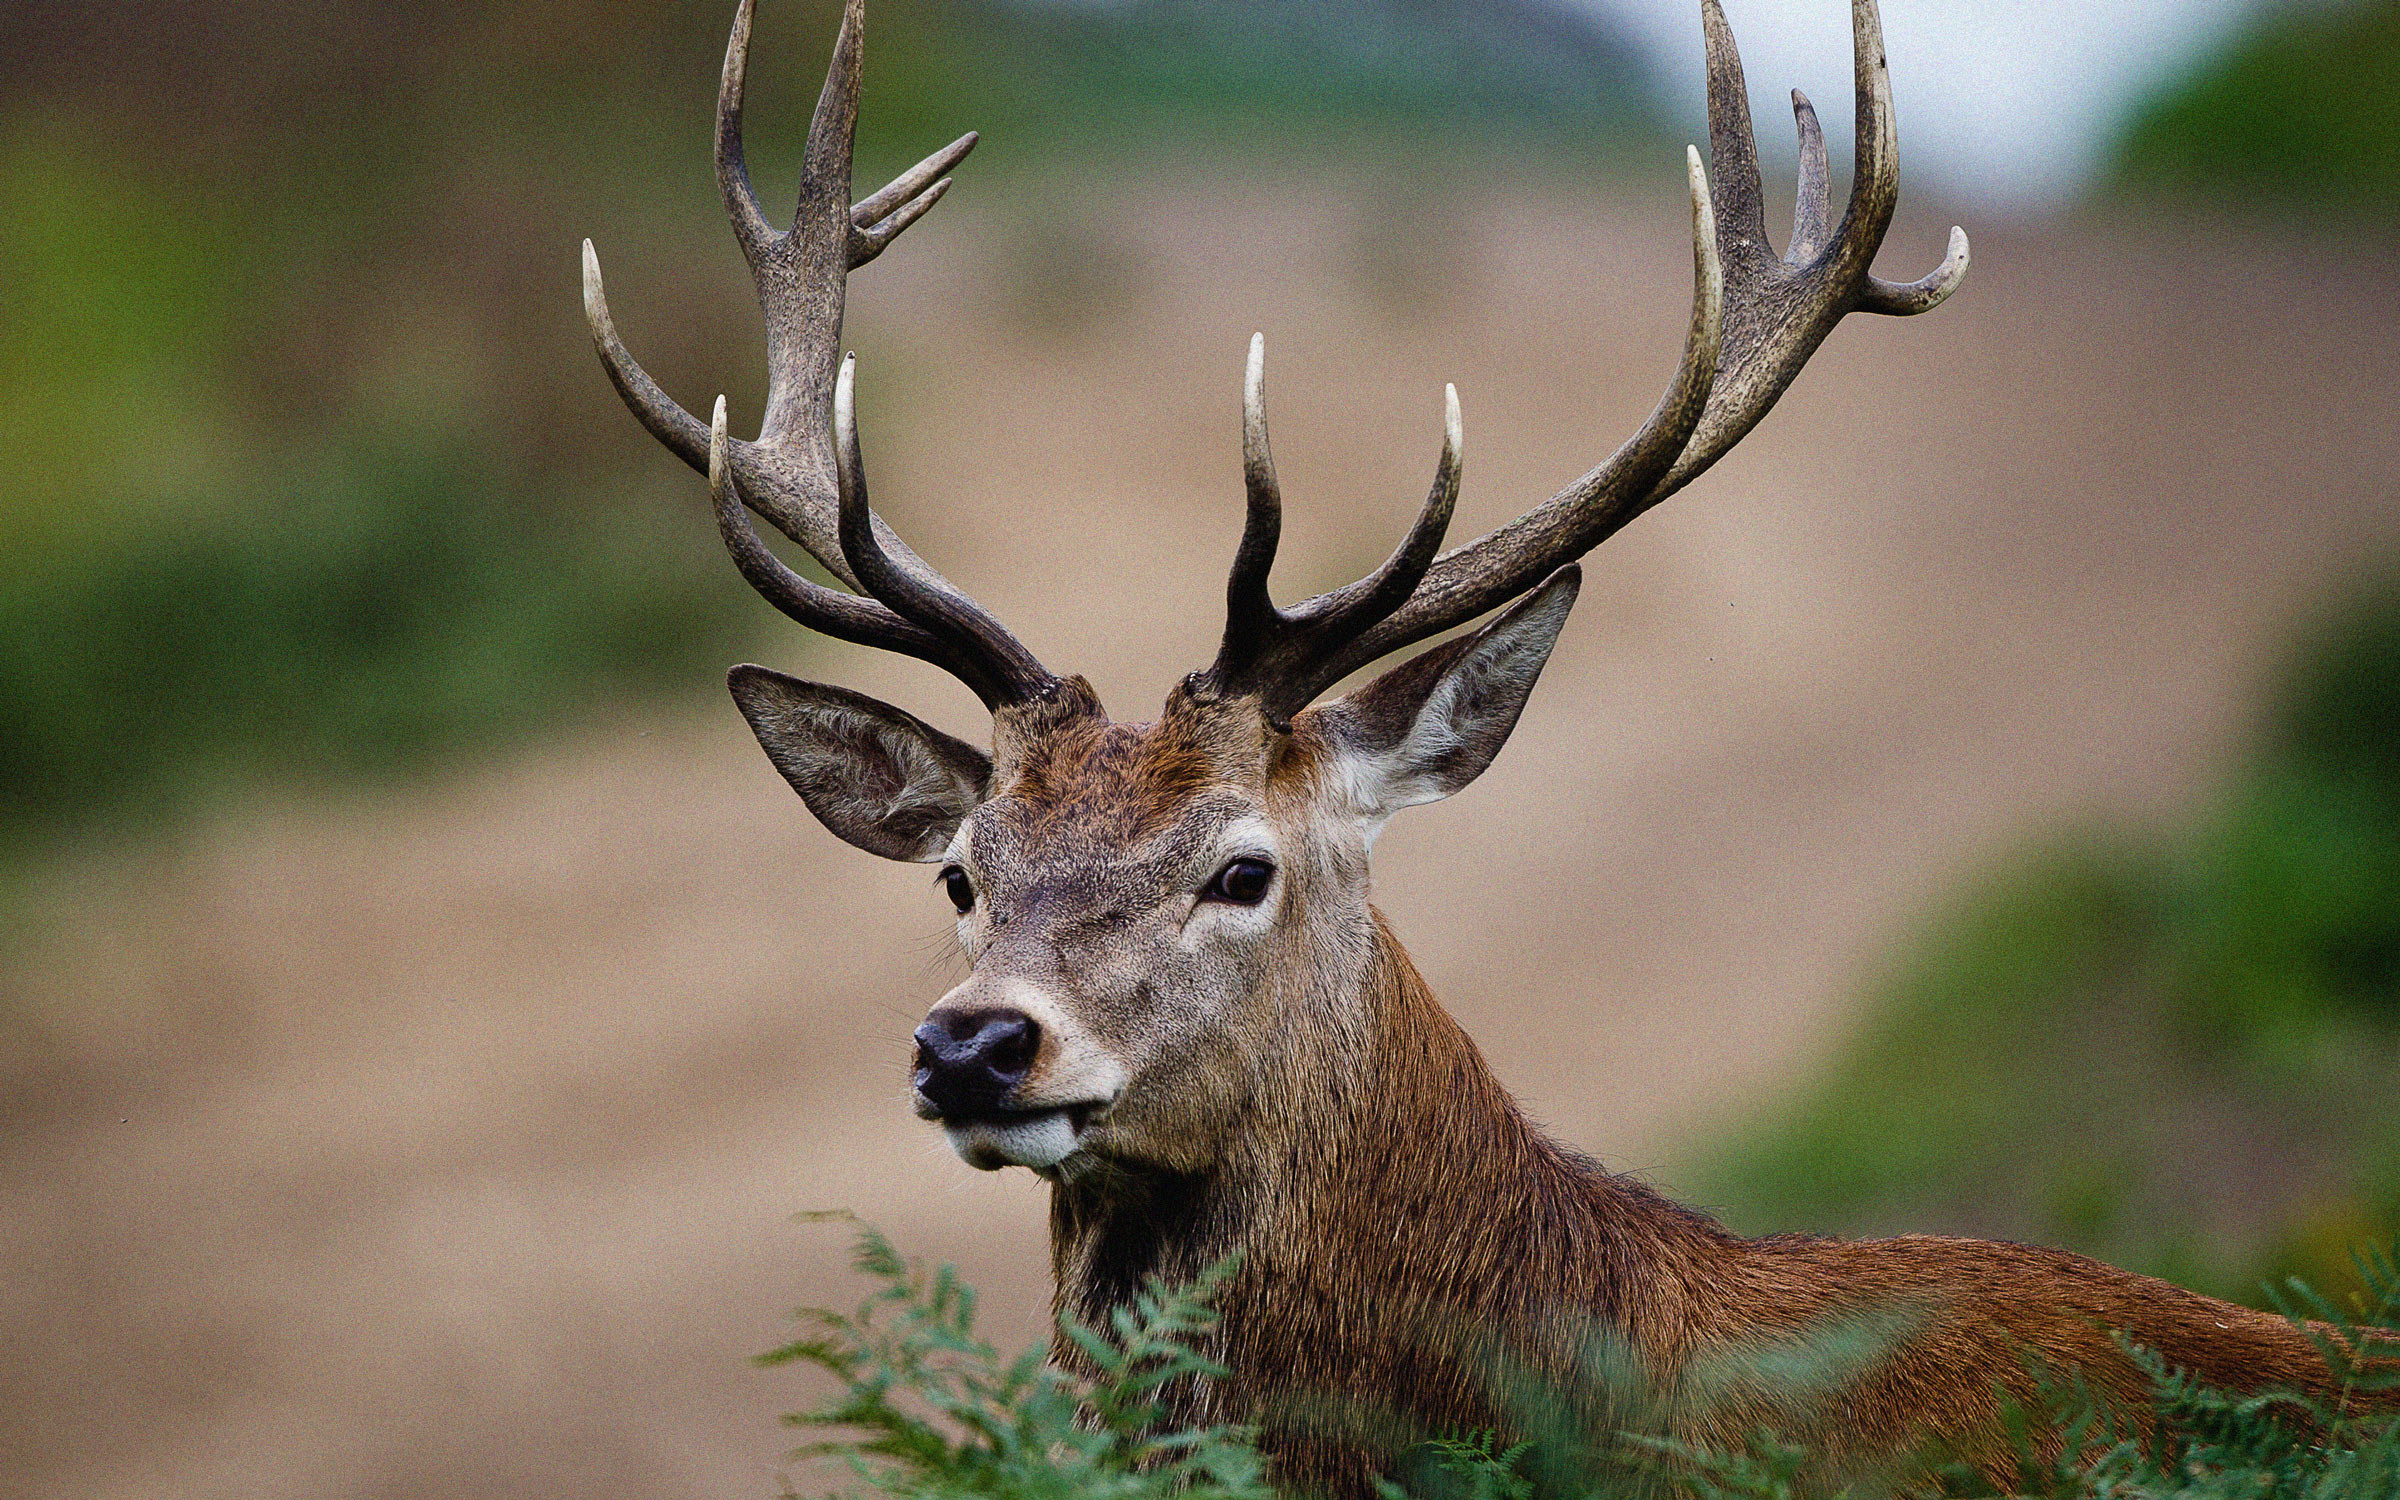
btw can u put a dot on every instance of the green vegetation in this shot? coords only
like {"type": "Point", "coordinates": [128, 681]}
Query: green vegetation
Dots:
{"type": "Point", "coordinates": [245, 540]}
{"type": "Point", "coordinates": [384, 612]}
{"type": "Point", "coordinates": [925, 1410]}
{"type": "Point", "coordinates": [2178, 1054]}
{"type": "Point", "coordinates": [2304, 111]}
{"type": "Point", "coordinates": [1082, 71]}
{"type": "Point", "coordinates": [2214, 1443]}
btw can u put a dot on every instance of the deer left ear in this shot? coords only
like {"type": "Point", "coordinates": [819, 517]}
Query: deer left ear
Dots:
{"type": "Point", "coordinates": [1429, 726]}
{"type": "Point", "coordinates": [885, 780]}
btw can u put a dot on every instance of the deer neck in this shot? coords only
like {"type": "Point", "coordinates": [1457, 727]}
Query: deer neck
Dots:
{"type": "Point", "coordinates": [1389, 1198]}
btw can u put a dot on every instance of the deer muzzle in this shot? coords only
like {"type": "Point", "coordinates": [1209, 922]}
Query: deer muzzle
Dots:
{"type": "Point", "coordinates": [1011, 1081]}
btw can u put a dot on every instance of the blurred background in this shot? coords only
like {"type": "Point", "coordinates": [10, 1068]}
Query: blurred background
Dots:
{"type": "Point", "coordinates": [1974, 807]}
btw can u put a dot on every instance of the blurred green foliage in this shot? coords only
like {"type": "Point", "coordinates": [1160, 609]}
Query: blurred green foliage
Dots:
{"type": "Point", "coordinates": [2303, 111]}
{"type": "Point", "coordinates": [384, 610]}
{"type": "Point", "coordinates": [1083, 70]}
{"type": "Point", "coordinates": [106, 333]}
{"type": "Point", "coordinates": [196, 593]}
{"type": "Point", "coordinates": [2181, 1055]}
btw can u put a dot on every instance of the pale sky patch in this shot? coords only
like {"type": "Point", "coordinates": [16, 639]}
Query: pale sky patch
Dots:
{"type": "Point", "coordinates": [2008, 104]}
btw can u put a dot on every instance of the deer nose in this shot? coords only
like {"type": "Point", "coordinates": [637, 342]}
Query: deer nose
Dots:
{"type": "Point", "coordinates": [966, 1064]}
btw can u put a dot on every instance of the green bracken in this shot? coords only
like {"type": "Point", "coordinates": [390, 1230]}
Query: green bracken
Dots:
{"type": "Point", "coordinates": [926, 1410]}
{"type": "Point", "coordinates": [2299, 114]}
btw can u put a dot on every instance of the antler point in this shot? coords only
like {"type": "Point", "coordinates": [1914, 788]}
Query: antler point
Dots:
{"type": "Point", "coordinates": [595, 300]}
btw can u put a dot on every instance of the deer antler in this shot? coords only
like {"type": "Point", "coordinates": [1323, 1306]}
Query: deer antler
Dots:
{"type": "Point", "coordinates": [1755, 321]}
{"type": "Point", "coordinates": [1741, 353]}
{"type": "Point", "coordinates": [1270, 652]}
{"type": "Point", "coordinates": [803, 473]}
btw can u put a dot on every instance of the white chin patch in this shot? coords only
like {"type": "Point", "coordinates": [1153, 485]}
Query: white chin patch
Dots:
{"type": "Point", "coordinates": [1037, 1141]}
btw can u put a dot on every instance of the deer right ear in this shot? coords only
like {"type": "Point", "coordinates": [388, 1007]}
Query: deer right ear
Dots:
{"type": "Point", "coordinates": [879, 778]}
{"type": "Point", "coordinates": [1426, 728]}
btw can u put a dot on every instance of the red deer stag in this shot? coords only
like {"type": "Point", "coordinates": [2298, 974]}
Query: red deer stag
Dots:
{"type": "Point", "coordinates": [1183, 1011]}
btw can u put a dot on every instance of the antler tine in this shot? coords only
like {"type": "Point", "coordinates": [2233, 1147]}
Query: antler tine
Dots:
{"type": "Point", "coordinates": [1346, 613]}
{"type": "Point", "coordinates": [652, 406]}
{"type": "Point", "coordinates": [1282, 655]}
{"type": "Point", "coordinates": [878, 218]}
{"type": "Point", "coordinates": [870, 210]}
{"type": "Point", "coordinates": [862, 622]}
{"type": "Point", "coordinates": [1249, 611]}
{"type": "Point", "coordinates": [1508, 560]}
{"type": "Point", "coordinates": [1812, 205]}
{"type": "Point", "coordinates": [1741, 203]}
{"type": "Point", "coordinates": [1337, 620]}
{"type": "Point", "coordinates": [1906, 299]}
{"type": "Point", "coordinates": [1875, 175]}
{"type": "Point", "coordinates": [989, 660]}
{"type": "Point", "coordinates": [750, 224]}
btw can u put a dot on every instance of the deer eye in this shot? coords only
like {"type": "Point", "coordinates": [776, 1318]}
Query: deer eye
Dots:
{"type": "Point", "coordinates": [1243, 882]}
{"type": "Point", "coordinates": [960, 889]}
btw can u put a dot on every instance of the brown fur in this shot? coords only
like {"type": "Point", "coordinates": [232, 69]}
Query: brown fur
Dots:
{"type": "Point", "coordinates": [1115, 783]}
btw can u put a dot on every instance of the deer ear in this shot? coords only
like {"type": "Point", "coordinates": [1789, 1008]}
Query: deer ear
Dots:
{"type": "Point", "coordinates": [884, 780]}
{"type": "Point", "coordinates": [1429, 726]}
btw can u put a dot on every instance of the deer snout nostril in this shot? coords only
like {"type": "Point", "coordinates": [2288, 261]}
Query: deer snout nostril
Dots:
{"type": "Point", "coordinates": [967, 1064]}
{"type": "Point", "coordinates": [1008, 1042]}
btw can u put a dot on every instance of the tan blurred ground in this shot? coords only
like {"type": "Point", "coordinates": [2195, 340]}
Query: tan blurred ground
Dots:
{"type": "Point", "coordinates": [445, 1142]}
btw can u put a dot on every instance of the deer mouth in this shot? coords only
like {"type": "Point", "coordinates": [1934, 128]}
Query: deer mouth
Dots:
{"type": "Point", "coordinates": [1040, 1138]}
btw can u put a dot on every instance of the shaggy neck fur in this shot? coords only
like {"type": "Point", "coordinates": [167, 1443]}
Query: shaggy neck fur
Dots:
{"type": "Point", "coordinates": [1397, 1233]}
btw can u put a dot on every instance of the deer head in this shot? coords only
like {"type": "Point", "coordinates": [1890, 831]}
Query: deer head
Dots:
{"type": "Point", "coordinates": [1166, 920]}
